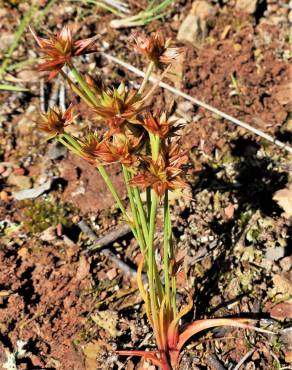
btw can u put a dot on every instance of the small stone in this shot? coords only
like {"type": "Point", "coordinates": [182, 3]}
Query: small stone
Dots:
{"type": "Point", "coordinates": [49, 234]}
{"type": "Point", "coordinates": [229, 211]}
{"type": "Point", "coordinates": [275, 253]}
{"type": "Point", "coordinates": [19, 171]}
{"type": "Point", "coordinates": [286, 263]}
{"type": "Point", "coordinates": [23, 253]}
{"type": "Point", "coordinates": [22, 182]}
{"type": "Point", "coordinates": [282, 311]}
{"type": "Point", "coordinates": [185, 106]}
{"type": "Point", "coordinates": [194, 28]}
{"type": "Point", "coordinates": [83, 268]}
{"type": "Point", "coordinates": [284, 94]}
{"type": "Point", "coordinates": [286, 339]}
{"type": "Point", "coordinates": [190, 30]}
{"type": "Point", "coordinates": [56, 151]}
{"type": "Point", "coordinates": [7, 172]}
{"type": "Point", "coordinates": [111, 274]}
{"type": "Point", "coordinates": [4, 196]}
{"type": "Point", "coordinates": [247, 6]}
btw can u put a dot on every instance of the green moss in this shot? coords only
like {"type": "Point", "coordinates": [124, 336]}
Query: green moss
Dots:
{"type": "Point", "coordinates": [43, 213]}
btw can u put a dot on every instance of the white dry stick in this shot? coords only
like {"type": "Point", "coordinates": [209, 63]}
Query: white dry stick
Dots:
{"type": "Point", "coordinates": [55, 92]}
{"type": "Point", "coordinates": [122, 6]}
{"type": "Point", "coordinates": [42, 95]}
{"type": "Point", "coordinates": [62, 94]}
{"type": "Point", "coordinates": [244, 358]}
{"type": "Point", "coordinates": [201, 104]}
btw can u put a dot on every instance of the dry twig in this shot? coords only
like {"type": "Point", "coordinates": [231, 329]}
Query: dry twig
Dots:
{"type": "Point", "coordinates": [244, 358]}
{"type": "Point", "coordinates": [213, 362]}
{"type": "Point", "coordinates": [106, 240]}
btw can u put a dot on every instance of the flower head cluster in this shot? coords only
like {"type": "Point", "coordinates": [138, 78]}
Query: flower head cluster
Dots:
{"type": "Point", "coordinates": [59, 50]}
{"type": "Point", "coordinates": [156, 48]}
{"type": "Point", "coordinates": [164, 173]}
{"type": "Point", "coordinates": [131, 127]}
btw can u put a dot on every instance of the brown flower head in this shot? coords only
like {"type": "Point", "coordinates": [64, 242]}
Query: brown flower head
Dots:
{"type": "Point", "coordinates": [90, 146]}
{"type": "Point", "coordinates": [156, 48]}
{"type": "Point", "coordinates": [164, 173]}
{"type": "Point", "coordinates": [120, 149]}
{"type": "Point", "coordinates": [54, 122]}
{"type": "Point", "coordinates": [60, 49]}
{"type": "Point", "coordinates": [160, 125]}
{"type": "Point", "coordinates": [119, 105]}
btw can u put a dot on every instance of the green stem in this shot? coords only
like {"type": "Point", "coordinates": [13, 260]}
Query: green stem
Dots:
{"type": "Point", "coordinates": [140, 239]}
{"type": "Point", "coordinates": [141, 213]}
{"type": "Point", "coordinates": [151, 257]}
{"type": "Point", "coordinates": [67, 145]}
{"type": "Point", "coordinates": [82, 83]}
{"type": "Point", "coordinates": [155, 143]}
{"type": "Point", "coordinates": [145, 229]}
{"type": "Point", "coordinates": [72, 141]}
{"type": "Point", "coordinates": [166, 248]}
{"type": "Point", "coordinates": [76, 89]}
{"type": "Point", "coordinates": [148, 200]}
{"type": "Point", "coordinates": [146, 77]}
{"type": "Point", "coordinates": [173, 295]}
{"type": "Point", "coordinates": [116, 196]}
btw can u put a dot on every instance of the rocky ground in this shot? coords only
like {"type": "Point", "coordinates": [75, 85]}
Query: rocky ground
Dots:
{"type": "Point", "coordinates": [66, 306]}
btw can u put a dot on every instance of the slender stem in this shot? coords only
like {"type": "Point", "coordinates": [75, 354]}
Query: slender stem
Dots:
{"type": "Point", "coordinates": [82, 83]}
{"type": "Point", "coordinates": [116, 196]}
{"type": "Point", "coordinates": [146, 77]}
{"type": "Point", "coordinates": [166, 249]}
{"type": "Point", "coordinates": [148, 189]}
{"type": "Point", "coordinates": [148, 200]}
{"type": "Point", "coordinates": [151, 257]}
{"type": "Point", "coordinates": [144, 223]}
{"type": "Point", "coordinates": [141, 213]}
{"type": "Point", "coordinates": [67, 145]}
{"type": "Point", "coordinates": [173, 296]}
{"type": "Point", "coordinates": [140, 239]}
{"type": "Point", "coordinates": [155, 143]}
{"type": "Point", "coordinates": [72, 141]}
{"type": "Point", "coordinates": [76, 89]}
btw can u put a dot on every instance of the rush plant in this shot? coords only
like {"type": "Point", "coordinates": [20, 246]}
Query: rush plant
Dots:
{"type": "Point", "coordinates": [147, 146]}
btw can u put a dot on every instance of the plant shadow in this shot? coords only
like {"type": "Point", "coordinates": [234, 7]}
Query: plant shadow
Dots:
{"type": "Point", "coordinates": [255, 182]}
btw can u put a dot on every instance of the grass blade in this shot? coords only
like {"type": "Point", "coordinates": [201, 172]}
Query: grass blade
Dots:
{"type": "Point", "coordinates": [22, 27]}
{"type": "Point", "coordinates": [12, 88]}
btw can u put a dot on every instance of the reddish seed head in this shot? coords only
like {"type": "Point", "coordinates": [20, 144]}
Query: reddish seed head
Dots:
{"type": "Point", "coordinates": [54, 122]}
{"type": "Point", "coordinates": [160, 125]}
{"type": "Point", "coordinates": [118, 106]}
{"type": "Point", "coordinates": [90, 146]}
{"type": "Point", "coordinates": [59, 49]}
{"type": "Point", "coordinates": [164, 173]}
{"type": "Point", "coordinates": [156, 48]}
